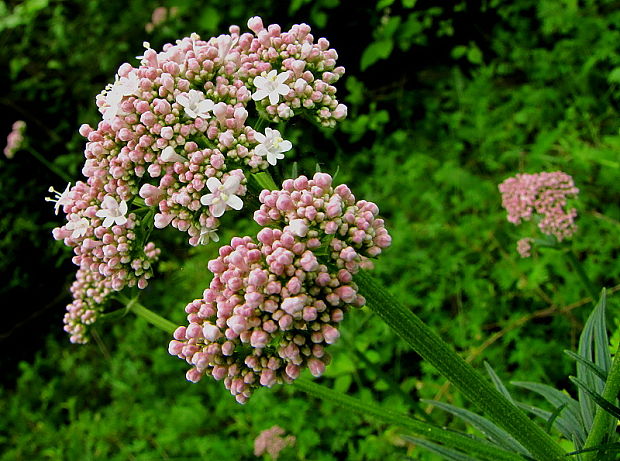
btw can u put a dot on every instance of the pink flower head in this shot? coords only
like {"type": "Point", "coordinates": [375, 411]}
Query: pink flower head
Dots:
{"type": "Point", "coordinates": [15, 139]}
{"type": "Point", "coordinates": [542, 195]}
{"type": "Point", "coordinates": [273, 306]}
{"type": "Point", "coordinates": [271, 441]}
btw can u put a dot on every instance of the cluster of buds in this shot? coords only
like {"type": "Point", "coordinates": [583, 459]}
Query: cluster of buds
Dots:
{"type": "Point", "coordinates": [275, 304]}
{"type": "Point", "coordinates": [174, 147]}
{"type": "Point", "coordinates": [272, 441]}
{"type": "Point", "coordinates": [543, 197]}
{"type": "Point", "coordinates": [15, 139]}
{"type": "Point", "coordinates": [107, 248]}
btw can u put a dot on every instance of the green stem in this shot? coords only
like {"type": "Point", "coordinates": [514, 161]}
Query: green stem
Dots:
{"type": "Point", "coordinates": [156, 320]}
{"type": "Point", "coordinates": [471, 383]}
{"type": "Point", "coordinates": [603, 421]}
{"type": "Point", "coordinates": [570, 254]}
{"type": "Point", "coordinates": [470, 445]}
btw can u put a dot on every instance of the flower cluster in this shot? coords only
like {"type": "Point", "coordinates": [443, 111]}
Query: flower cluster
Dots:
{"type": "Point", "coordinates": [542, 196]}
{"type": "Point", "coordinates": [174, 147]}
{"type": "Point", "coordinates": [15, 139]}
{"type": "Point", "coordinates": [180, 118]}
{"type": "Point", "coordinates": [275, 304]}
{"type": "Point", "coordinates": [108, 250]}
{"type": "Point", "coordinates": [271, 441]}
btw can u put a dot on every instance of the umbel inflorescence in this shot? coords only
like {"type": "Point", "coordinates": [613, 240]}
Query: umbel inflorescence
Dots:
{"type": "Point", "coordinates": [544, 198]}
{"type": "Point", "coordinates": [176, 144]}
{"type": "Point", "coordinates": [275, 302]}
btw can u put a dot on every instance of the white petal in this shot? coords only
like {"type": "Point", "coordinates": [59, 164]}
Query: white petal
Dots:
{"type": "Point", "coordinates": [183, 99]}
{"type": "Point", "coordinates": [274, 98]}
{"type": "Point", "coordinates": [283, 89]}
{"type": "Point", "coordinates": [281, 78]}
{"type": "Point", "coordinates": [261, 150]}
{"type": "Point", "coordinates": [190, 113]}
{"type": "Point", "coordinates": [285, 146]}
{"type": "Point", "coordinates": [205, 106]}
{"type": "Point", "coordinates": [123, 207]}
{"type": "Point", "coordinates": [260, 82]}
{"type": "Point", "coordinates": [108, 221]}
{"type": "Point", "coordinates": [207, 199]}
{"type": "Point", "coordinates": [109, 202]}
{"type": "Point", "coordinates": [260, 137]}
{"type": "Point", "coordinates": [101, 213]}
{"type": "Point", "coordinates": [271, 158]}
{"type": "Point", "coordinates": [120, 220]}
{"type": "Point", "coordinates": [214, 236]}
{"type": "Point", "coordinates": [218, 209]}
{"type": "Point", "coordinates": [259, 95]}
{"type": "Point", "coordinates": [213, 183]}
{"type": "Point", "coordinates": [272, 74]}
{"type": "Point", "coordinates": [234, 202]}
{"type": "Point", "coordinates": [231, 185]}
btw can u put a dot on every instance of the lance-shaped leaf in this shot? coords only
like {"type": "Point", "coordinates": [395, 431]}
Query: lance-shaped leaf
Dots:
{"type": "Point", "coordinates": [444, 452]}
{"type": "Point", "coordinates": [593, 346]}
{"type": "Point", "coordinates": [565, 429]}
{"type": "Point", "coordinates": [493, 432]}
{"type": "Point", "coordinates": [570, 417]}
{"type": "Point", "coordinates": [499, 385]}
{"type": "Point", "coordinates": [597, 398]}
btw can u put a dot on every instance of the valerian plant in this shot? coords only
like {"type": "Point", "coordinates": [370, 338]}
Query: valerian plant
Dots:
{"type": "Point", "coordinates": [184, 140]}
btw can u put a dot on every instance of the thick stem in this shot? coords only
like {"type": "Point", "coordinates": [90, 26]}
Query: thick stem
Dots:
{"type": "Point", "coordinates": [470, 445]}
{"type": "Point", "coordinates": [603, 421]}
{"type": "Point", "coordinates": [156, 320]}
{"type": "Point", "coordinates": [572, 257]}
{"type": "Point", "coordinates": [471, 383]}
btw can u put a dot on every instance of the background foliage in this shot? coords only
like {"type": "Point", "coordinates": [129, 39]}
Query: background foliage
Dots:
{"type": "Point", "coordinates": [445, 101]}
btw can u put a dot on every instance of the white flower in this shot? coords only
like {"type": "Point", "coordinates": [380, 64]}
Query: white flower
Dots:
{"type": "Point", "coordinates": [207, 234]}
{"type": "Point", "coordinates": [169, 155]}
{"type": "Point", "coordinates": [130, 85]}
{"type": "Point", "coordinates": [114, 94]}
{"type": "Point", "coordinates": [271, 86]}
{"type": "Point", "coordinates": [224, 45]}
{"type": "Point", "coordinates": [298, 227]}
{"type": "Point", "coordinates": [60, 198]}
{"type": "Point", "coordinates": [195, 104]}
{"type": "Point", "coordinates": [112, 211]}
{"type": "Point", "coordinates": [78, 226]}
{"type": "Point", "coordinates": [222, 195]}
{"type": "Point", "coordinates": [271, 145]}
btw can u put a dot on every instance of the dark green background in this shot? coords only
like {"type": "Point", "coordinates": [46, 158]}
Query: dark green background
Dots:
{"type": "Point", "coordinates": [446, 100]}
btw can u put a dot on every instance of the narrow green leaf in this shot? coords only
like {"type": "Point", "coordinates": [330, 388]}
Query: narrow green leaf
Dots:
{"type": "Point", "coordinates": [597, 398]}
{"type": "Point", "coordinates": [446, 453]}
{"type": "Point", "coordinates": [593, 346]}
{"type": "Point", "coordinates": [571, 416]}
{"type": "Point", "coordinates": [554, 416]}
{"type": "Point", "coordinates": [559, 423]}
{"type": "Point", "coordinates": [598, 371]}
{"type": "Point", "coordinates": [615, 446]}
{"type": "Point", "coordinates": [499, 385]}
{"type": "Point", "coordinates": [493, 432]}
{"type": "Point", "coordinates": [482, 449]}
